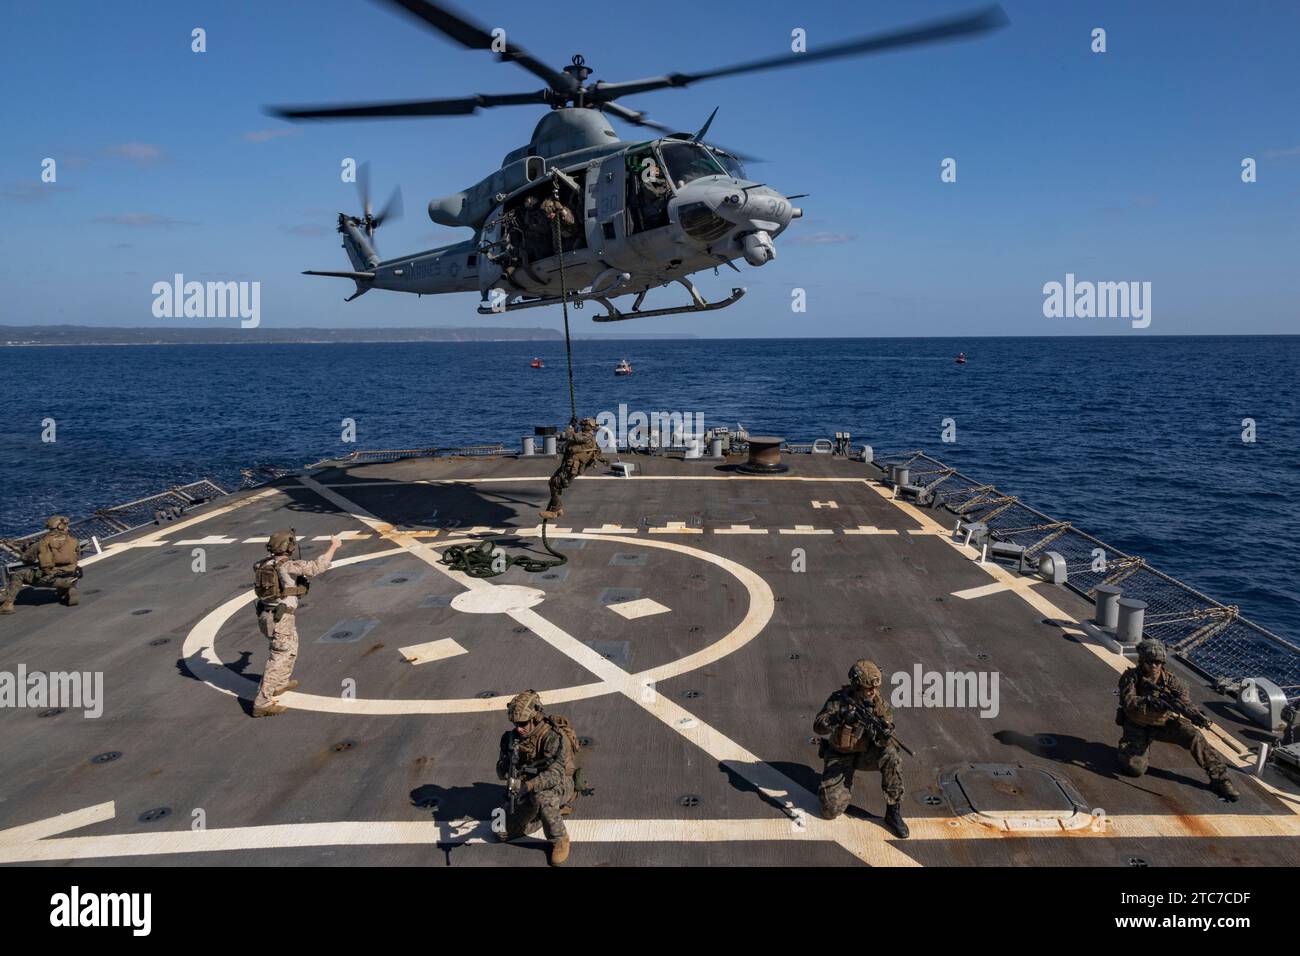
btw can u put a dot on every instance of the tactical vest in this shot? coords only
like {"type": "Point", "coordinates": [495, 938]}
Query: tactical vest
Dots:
{"type": "Point", "coordinates": [57, 551]}
{"type": "Point", "coordinates": [531, 746]}
{"type": "Point", "coordinates": [1142, 720]}
{"type": "Point", "coordinates": [268, 584]}
{"type": "Point", "coordinates": [851, 736]}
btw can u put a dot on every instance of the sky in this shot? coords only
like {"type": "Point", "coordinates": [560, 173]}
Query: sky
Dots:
{"type": "Point", "coordinates": [1117, 166]}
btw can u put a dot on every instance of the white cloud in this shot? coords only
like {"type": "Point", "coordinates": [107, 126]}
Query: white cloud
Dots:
{"type": "Point", "coordinates": [820, 239]}
{"type": "Point", "coordinates": [266, 135]}
{"type": "Point", "coordinates": [142, 153]}
{"type": "Point", "coordinates": [142, 219]}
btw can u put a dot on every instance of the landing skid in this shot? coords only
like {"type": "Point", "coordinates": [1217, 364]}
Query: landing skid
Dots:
{"type": "Point", "coordinates": [699, 304]}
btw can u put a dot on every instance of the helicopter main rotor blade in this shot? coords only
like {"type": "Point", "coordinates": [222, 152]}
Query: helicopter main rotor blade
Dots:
{"type": "Point", "coordinates": [990, 18]}
{"type": "Point", "coordinates": [635, 118]}
{"type": "Point", "coordinates": [460, 106]}
{"type": "Point", "coordinates": [640, 119]}
{"type": "Point", "coordinates": [469, 34]}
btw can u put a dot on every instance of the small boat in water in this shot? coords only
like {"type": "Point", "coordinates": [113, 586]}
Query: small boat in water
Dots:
{"type": "Point", "coordinates": [623, 368]}
{"type": "Point", "coordinates": [961, 358]}
{"type": "Point", "coordinates": [536, 363]}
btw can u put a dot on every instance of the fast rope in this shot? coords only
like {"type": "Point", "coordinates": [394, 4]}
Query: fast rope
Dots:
{"type": "Point", "coordinates": [564, 302]}
{"type": "Point", "coordinates": [483, 560]}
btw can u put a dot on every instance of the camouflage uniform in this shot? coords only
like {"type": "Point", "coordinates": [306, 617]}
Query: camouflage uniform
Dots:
{"type": "Point", "coordinates": [849, 748]}
{"type": "Point", "coordinates": [552, 208]}
{"type": "Point", "coordinates": [580, 453]}
{"type": "Point", "coordinates": [1144, 720]}
{"type": "Point", "coordinates": [284, 634]}
{"type": "Point", "coordinates": [545, 763]}
{"type": "Point", "coordinates": [54, 565]}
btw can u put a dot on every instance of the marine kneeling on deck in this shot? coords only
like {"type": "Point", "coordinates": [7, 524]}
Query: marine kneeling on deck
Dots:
{"type": "Point", "coordinates": [538, 762]}
{"type": "Point", "coordinates": [1155, 705]}
{"type": "Point", "coordinates": [51, 561]}
{"type": "Point", "coordinates": [278, 582]}
{"type": "Point", "coordinates": [857, 729]}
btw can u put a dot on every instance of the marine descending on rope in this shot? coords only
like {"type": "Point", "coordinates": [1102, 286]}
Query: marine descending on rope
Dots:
{"type": "Point", "coordinates": [581, 451]}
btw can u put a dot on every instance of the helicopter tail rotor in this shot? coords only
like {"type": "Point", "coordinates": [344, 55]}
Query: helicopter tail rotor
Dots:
{"type": "Point", "coordinates": [368, 222]}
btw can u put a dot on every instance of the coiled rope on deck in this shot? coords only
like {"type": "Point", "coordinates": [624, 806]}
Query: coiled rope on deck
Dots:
{"type": "Point", "coordinates": [482, 560]}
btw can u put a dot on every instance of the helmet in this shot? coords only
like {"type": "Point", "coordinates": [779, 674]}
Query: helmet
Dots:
{"type": "Point", "coordinates": [864, 673]}
{"type": "Point", "coordinates": [587, 425]}
{"type": "Point", "coordinates": [525, 706]}
{"type": "Point", "coordinates": [1151, 651]}
{"type": "Point", "coordinates": [56, 523]}
{"type": "Point", "coordinates": [281, 542]}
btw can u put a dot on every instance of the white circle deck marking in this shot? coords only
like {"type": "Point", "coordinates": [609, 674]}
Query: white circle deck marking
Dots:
{"type": "Point", "coordinates": [202, 660]}
{"type": "Point", "coordinates": [500, 599]}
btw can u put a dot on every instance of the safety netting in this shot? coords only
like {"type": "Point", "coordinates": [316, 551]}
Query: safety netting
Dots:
{"type": "Point", "coordinates": [1212, 637]}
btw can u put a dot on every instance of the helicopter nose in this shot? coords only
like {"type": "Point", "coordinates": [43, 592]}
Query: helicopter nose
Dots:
{"type": "Point", "coordinates": [754, 205]}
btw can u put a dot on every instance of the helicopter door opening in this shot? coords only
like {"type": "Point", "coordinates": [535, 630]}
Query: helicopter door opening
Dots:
{"type": "Point", "coordinates": [647, 192]}
{"type": "Point", "coordinates": [536, 211]}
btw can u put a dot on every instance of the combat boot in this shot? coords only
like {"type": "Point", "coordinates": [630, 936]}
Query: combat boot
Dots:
{"type": "Point", "coordinates": [559, 851]}
{"type": "Point", "coordinates": [288, 685]}
{"type": "Point", "coordinates": [552, 515]}
{"type": "Point", "coordinates": [70, 598]}
{"type": "Point", "coordinates": [269, 711]}
{"type": "Point", "coordinates": [894, 820]}
{"type": "Point", "coordinates": [7, 607]}
{"type": "Point", "coordinates": [1224, 788]}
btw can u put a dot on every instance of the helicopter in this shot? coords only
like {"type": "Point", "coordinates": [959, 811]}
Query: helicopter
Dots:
{"type": "Point", "coordinates": [577, 213]}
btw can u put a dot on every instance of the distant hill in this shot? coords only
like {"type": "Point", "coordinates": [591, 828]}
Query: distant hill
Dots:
{"type": "Point", "coordinates": [18, 335]}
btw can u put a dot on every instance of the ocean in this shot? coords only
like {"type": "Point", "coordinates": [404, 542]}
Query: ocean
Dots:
{"type": "Point", "coordinates": [1137, 440]}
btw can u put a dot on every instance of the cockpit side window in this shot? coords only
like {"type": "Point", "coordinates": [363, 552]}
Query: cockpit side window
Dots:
{"type": "Point", "coordinates": [647, 192]}
{"type": "Point", "coordinates": [687, 162]}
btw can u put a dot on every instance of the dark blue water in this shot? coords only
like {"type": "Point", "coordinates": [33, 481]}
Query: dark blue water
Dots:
{"type": "Point", "coordinates": [1135, 440]}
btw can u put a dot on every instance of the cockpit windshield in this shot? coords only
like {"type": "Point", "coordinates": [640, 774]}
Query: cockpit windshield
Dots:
{"type": "Point", "coordinates": [689, 161]}
{"type": "Point", "coordinates": [730, 163]}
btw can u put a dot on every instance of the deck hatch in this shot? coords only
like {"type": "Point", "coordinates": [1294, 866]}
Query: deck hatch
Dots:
{"type": "Point", "coordinates": [401, 577]}
{"type": "Point", "coordinates": [731, 515]}
{"type": "Point", "coordinates": [1014, 797]}
{"type": "Point", "coordinates": [618, 595]}
{"type": "Point", "coordinates": [347, 632]}
{"type": "Point", "coordinates": [619, 652]}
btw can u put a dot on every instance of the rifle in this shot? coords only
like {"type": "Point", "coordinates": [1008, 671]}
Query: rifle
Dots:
{"type": "Point", "coordinates": [9, 565]}
{"type": "Point", "coordinates": [1198, 719]}
{"type": "Point", "coordinates": [876, 726]}
{"type": "Point", "coordinates": [512, 774]}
